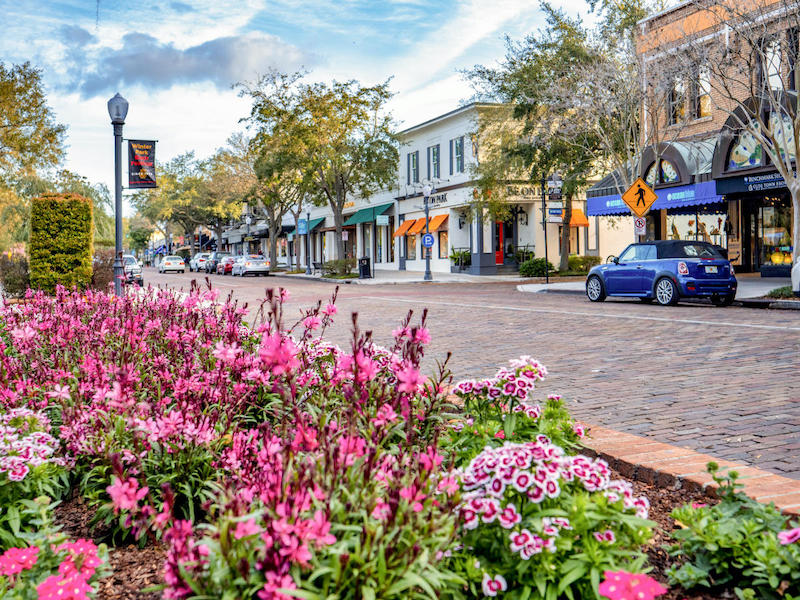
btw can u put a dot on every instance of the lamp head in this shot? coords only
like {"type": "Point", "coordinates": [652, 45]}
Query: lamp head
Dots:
{"type": "Point", "coordinates": [426, 190]}
{"type": "Point", "coordinates": [117, 109]}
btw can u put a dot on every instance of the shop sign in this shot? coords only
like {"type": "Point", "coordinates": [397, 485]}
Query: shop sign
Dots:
{"type": "Point", "coordinates": [556, 205]}
{"type": "Point", "coordinates": [382, 220]}
{"type": "Point", "coordinates": [349, 204]}
{"type": "Point", "coordinates": [557, 219]}
{"type": "Point", "coordinates": [735, 250]}
{"type": "Point", "coordinates": [554, 212]}
{"type": "Point", "coordinates": [750, 183]}
{"type": "Point", "coordinates": [345, 235]}
{"type": "Point", "coordinates": [526, 191]}
{"type": "Point", "coordinates": [437, 199]}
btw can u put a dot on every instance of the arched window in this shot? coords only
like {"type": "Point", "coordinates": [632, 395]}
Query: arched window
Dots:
{"type": "Point", "coordinates": [666, 174]}
{"type": "Point", "coordinates": [745, 153]}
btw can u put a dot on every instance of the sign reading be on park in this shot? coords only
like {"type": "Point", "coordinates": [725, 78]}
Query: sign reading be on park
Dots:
{"type": "Point", "coordinates": [639, 198]}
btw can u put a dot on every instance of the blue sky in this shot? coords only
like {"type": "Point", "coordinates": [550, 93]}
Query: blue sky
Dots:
{"type": "Point", "coordinates": [175, 61]}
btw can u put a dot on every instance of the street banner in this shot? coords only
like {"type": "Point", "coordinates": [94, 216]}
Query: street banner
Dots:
{"type": "Point", "coordinates": [141, 164]}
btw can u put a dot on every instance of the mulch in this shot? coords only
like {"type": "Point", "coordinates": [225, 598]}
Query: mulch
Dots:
{"type": "Point", "coordinates": [135, 569]}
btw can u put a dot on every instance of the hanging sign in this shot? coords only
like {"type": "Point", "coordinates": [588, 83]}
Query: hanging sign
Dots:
{"type": "Point", "coordinates": [141, 164]}
{"type": "Point", "coordinates": [382, 220]}
{"type": "Point", "coordinates": [345, 235]}
{"type": "Point", "coordinates": [302, 227]}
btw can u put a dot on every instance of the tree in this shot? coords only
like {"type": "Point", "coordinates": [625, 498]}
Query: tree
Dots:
{"type": "Point", "coordinates": [753, 81]}
{"type": "Point", "coordinates": [139, 232]}
{"type": "Point", "coordinates": [30, 138]}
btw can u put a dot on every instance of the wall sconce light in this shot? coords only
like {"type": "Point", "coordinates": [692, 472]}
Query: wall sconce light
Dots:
{"type": "Point", "coordinates": [523, 218]}
{"type": "Point", "coordinates": [460, 222]}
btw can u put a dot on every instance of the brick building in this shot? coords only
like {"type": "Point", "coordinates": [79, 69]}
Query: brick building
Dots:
{"type": "Point", "coordinates": [714, 180]}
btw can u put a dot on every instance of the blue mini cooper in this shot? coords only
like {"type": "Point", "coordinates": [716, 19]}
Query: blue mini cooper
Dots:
{"type": "Point", "coordinates": [665, 271]}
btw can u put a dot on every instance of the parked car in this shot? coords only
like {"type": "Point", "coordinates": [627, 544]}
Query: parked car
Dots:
{"type": "Point", "coordinates": [225, 265]}
{"type": "Point", "coordinates": [665, 271]}
{"type": "Point", "coordinates": [213, 260]}
{"type": "Point", "coordinates": [172, 263]}
{"type": "Point", "coordinates": [132, 270]}
{"type": "Point", "coordinates": [198, 261]}
{"type": "Point", "coordinates": [250, 264]}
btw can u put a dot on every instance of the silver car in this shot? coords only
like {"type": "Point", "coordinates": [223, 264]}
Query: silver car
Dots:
{"type": "Point", "coordinates": [250, 264]}
{"type": "Point", "coordinates": [198, 261]}
{"type": "Point", "coordinates": [132, 270]}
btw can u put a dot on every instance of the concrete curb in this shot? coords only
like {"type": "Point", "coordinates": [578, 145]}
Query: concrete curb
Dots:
{"type": "Point", "coordinates": [673, 467]}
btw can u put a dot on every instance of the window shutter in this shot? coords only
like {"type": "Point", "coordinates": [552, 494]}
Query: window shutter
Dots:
{"type": "Point", "coordinates": [408, 168]}
{"type": "Point", "coordinates": [451, 157]}
{"type": "Point", "coordinates": [429, 163]}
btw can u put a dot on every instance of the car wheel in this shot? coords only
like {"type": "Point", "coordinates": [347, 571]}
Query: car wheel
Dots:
{"type": "Point", "coordinates": [666, 292]}
{"type": "Point", "coordinates": [725, 300]}
{"type": "Point", "coordinates": [646, 300]}
{"type": "Point", "coordinates": [594, 289]}
{"type": "Point", "coordinates": [183, 270]}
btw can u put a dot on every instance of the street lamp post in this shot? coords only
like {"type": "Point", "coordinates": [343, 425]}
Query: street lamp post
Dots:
{"type": "Point", "coordinates": [426, 192]}
{"type": "Point", "coordinates": [554, 184]}
{"type": "Point", "coordinates": [247, 220]}
{"type": "Point", "coordinates": [308, 241]}
{"type": "Point", "coordinates": [118, 110]}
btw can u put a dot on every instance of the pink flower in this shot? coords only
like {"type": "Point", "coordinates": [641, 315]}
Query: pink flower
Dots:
{"type": "Point", "coordinates": [385, 415]}
{"type": "Point", "coordinates": [125, 494]}
{"type": "Point", "coordinates": [789, 536]}
{"type": "Point", "coordinates": [60, 392]}
{"type": "Point", "coordinates": [401, 332]}
{"type": "Point", "coordinates": [410, 380]}
{"type": "Point", "coordinates": [500, 435]}
{"type": "Point", "coordinates": [621, 585]}
{"type": "Point", "coordinates": [246, 529]}
{"type": "Point", "coordinates": [381, 511]}
{"type": "Point", "coordinates": [274, 583]}
{"type": "Point", "coordinates": [226, 354]}
{"type": "Point", "coordinates": [605, 536]}
{"type": "Point", "coordinates": [579, 430]}
{"type": "Point", "coordinates": [697, 505]}
{"type": "Point", "coordinates": [56, 587]}
{"type": "Point", "coordinates": [493, 585]}
{"type": "Point", "coordinates": [422, 336]}
{"type": "Point", "coordinates": [285, 294]}
{"type": "Point", "coordinates": [15, 560]}
{"type": "Point", "coordinates": [330, 310]}
{"type": "Point", "coordinates": [509, 517]}
{"type": "Point", "coordinates": [312, 322]}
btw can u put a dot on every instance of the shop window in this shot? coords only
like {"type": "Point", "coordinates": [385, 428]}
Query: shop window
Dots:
{"type": "Point", "coordinates": [775, 233]}
{"type": "Point", "coordinates": [434, 171]}
{"type": "Point", "coordinates": [413, 167]}
{"type": "Point", "coordinates": [443, 244]}
{"type": "Point", "coordinates": [746, 153]}
{"type": "Point", "coordinates": [457, 155]}
{"type": "Point", "coordinates": [390, 244]}
{"type": "Point", "coordinates": [783, 132]}
{"type": "Point", "coordinates": [651, 176]}
{"type": "Point", "coordinates": [702, 94]}
{"type": "Point", "coordinates": [411, 248]}
{"type": "Point", "coordinates": [769, 64]}
{"type": "Point", "coordinates": [704, 225]}
{"type": "Point", "coordinates": [677, 102]}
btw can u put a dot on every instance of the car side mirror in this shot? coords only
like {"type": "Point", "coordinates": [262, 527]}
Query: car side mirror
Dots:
{"type": "Point", "coordinates": [611, 259]}
{"type": "Point", "coordinates": [616, 260]}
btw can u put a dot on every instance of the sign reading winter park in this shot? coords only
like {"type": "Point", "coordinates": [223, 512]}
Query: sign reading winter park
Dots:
{"type": "Point", "coordinates": [639, 198]}
{"type": "Point", "coordinates": [141, 164]}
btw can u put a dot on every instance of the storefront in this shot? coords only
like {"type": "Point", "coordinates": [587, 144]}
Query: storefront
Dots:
{"type": "Point", "coordinates": [373, 225]}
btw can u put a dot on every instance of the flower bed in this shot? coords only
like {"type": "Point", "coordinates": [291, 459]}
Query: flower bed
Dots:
{"type": "Point", "coordinates": [270, 464]}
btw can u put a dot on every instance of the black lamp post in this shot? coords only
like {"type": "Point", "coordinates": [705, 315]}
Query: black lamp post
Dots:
{"type": "Point", "coordinates": [308, 240]}
{"type": "Point", "coordinates": [118, 110]}
{"type": "Point", "coordinates": [553, 184]}
{"type": "Point", "coordinates": [426, 192]}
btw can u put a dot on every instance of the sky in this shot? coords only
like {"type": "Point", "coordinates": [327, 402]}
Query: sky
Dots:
{"type": "Point", "coordinates": [177, 62]}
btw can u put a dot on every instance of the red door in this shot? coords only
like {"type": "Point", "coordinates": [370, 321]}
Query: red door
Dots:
{"type": "Point", "coordinates": [498, 243]}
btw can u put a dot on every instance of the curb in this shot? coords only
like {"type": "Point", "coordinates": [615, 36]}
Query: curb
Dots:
{"type": "Point", "coordinates": [673, 467]}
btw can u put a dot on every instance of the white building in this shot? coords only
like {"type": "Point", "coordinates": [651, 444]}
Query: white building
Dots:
{"type": "Point", "coordinates": [388, 226]}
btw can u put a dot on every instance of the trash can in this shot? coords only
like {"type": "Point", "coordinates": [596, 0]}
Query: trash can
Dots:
{"type": "Point", "coordinates": [363, 268]}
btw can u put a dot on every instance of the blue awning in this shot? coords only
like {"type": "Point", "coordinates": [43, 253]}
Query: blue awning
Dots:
{"type": "Point", "coordinates": [679, 196]}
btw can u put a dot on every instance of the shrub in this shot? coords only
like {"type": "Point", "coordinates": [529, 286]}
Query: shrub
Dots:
{"type": "Point", "coordinates": [781, 292]}
{"type": "Point", "coordinates": [541, 524]}
{"type": "Point", "coordinates": [461, 257]}
{"type": "Point", "coordinates": [103, 268]}
{"type": "Point", "coordinates": [582, 264]}
{"type": "Point", "coordinates": [737, 543]}
{"type": "Point", "coordinates": [14, 275]}
{"type": "Point", "coordinates": [61, 241]}
{"type": "Point", "coordinates": [340, 267]}
{"type": "Point", "coordinates": [535, 267]}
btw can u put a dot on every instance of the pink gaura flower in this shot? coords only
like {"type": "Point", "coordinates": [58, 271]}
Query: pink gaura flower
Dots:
{"type": "Point", "coordinates": [274, 583]}
{"type": "Point", "coordinates": [312, 322]}
{"type": "Point", "coordinates": [330, 310]}
{"type": "Point", "coordinates": [381, 511]}
{"type": "Point", "coordinates": [125, 494]}
{"type": "Point", "coordinates": [422, 336]}
{"type": "Point", "coordinates": [226, 354]}
{"type": "Point", "coordinates": [410, 380]}
{"type": "Point", "coordinates": [492, 585]}
{"type": "Point", "coordinates": [386, 415]}
{"type": "Point", "coordinates": [60, 392]}
{"type": "Point", "coordinates": [246, 529]}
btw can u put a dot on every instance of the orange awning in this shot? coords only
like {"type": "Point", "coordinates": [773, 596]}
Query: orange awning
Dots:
{"type": "Point", "coordinates": [404, 227]}
{"type": "Point", "coordinates": [417, 228]}
{"type": "Point", "coordinates": [437, 222]}
{"type": "Point", "coordinates": [578, 219]}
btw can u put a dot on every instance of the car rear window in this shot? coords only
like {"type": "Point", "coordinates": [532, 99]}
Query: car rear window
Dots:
{"type": "Point", "coordinates": [173, 258]}
{"type": "Point", "coordinates": [688, 250]}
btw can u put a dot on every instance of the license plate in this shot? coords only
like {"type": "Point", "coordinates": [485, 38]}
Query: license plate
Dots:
{"type": "Point", "coordinates": [711, 269]}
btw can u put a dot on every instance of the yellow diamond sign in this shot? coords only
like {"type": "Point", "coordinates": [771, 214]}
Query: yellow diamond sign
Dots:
{"type": "Point", "coordinates": [639, 197]}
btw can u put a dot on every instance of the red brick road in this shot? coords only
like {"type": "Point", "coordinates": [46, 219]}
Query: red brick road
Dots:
{"type": "Point", "coordinates": [721, 381]}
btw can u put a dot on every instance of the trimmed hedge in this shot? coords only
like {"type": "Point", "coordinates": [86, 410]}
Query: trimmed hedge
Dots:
{"type": "Point", "coordinates": [60, 246]}
{"type": "Point", "coordinates": [583, 264]}
{"type": "Point", "coordinates": [535, 267]}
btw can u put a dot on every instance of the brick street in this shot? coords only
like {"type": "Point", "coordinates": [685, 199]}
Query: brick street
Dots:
{"type": "Point", "coordinates": [721, 381]}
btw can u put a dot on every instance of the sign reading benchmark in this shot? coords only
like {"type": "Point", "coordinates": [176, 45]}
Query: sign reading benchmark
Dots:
{"type": "Point", "coordinates": [141, 164]}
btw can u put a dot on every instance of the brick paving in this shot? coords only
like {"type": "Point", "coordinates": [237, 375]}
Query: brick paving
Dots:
{"type": "Point", "coordinates": [723, 382]}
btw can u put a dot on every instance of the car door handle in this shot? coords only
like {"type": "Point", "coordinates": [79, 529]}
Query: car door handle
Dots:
{"type": "Point", "coordinates": [639, 267]}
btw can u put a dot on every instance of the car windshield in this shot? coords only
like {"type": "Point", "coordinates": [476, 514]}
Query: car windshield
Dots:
{"type": "Point", "coordinates": [689, 250]}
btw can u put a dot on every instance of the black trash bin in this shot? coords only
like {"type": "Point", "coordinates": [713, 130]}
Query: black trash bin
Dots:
{"type": "Point", "coordinates": [363, 268]}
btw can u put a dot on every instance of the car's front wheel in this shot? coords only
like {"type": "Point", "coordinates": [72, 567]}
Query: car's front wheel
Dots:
{"type": "Point", "coordinates": [666, 292]}
{"type": "Point", "coordinates": [725, 300]}
{"type": "Point", "coordinates": [594, 289]}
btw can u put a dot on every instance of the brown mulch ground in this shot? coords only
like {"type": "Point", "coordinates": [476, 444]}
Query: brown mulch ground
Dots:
{"type": "Point", "coordinates": [135, 569]}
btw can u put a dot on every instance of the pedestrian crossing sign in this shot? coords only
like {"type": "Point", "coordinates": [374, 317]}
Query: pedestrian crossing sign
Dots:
{"type": "Point", "coordinates": [639, 197]}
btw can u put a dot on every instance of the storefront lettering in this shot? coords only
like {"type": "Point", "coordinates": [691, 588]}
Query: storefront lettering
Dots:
{"type": "Point", "coordinates": [521, 190]}
{"type": "Point", "coordinates": [438, 199]}
{"type": "Point", "coordinates": [685, 195]}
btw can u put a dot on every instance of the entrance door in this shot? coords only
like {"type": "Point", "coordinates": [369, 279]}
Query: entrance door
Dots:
{"type": "Point", "coordinates": [499, 242]}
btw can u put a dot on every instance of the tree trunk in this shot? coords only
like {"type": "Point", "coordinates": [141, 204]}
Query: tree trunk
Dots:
{"type": "Point", "coordinates": [565, 231]}
{"type": "Point", "coordinates": [273, 245]}
{"type": "Point", "coordinates": [338, 220]}
{"type": "Point", "coordinates": [218, 233]}
{"type": "Point", "coordinates": [296, 240]}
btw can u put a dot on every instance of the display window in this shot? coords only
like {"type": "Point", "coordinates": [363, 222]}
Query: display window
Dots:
{"type": "Point", "coordinates": [705, 225]}
{"type": "Point", "coordinates": [443, 244]}
{"type": "Point", "coordinates": [775, 233]}
{"type": "Point", "coordinates": [411, 240]}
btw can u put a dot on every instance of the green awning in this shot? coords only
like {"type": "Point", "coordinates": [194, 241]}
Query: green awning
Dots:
{"type": "Point", "coordinates": [311, 226]}
{"type": "Point", "coordinates": [367, 215]}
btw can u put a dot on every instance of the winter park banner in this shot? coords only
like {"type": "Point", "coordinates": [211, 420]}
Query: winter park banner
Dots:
{"type": "Point", "coordinates": [141, 164]}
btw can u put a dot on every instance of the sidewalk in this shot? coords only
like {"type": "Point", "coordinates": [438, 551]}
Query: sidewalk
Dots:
{"type": "Point", "coordinates": [390, 277]}
{"type": "Point", "coordinates": [751, 286]}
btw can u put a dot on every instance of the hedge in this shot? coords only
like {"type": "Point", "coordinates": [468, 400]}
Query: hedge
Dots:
{"type": "Point", "coordinates": [60, 246]}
